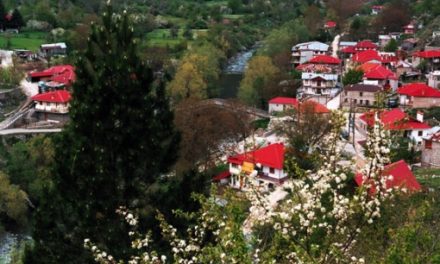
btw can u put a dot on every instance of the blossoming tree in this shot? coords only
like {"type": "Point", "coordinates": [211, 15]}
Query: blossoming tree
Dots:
{"type": "Point", "coordinates": [318, 221]}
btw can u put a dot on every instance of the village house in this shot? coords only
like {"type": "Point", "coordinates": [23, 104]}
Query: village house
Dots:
{"type": "Point", "coordinates": [432, 57]}
{"type": "Point", "coordinates": [381, 76]}
{"type": "Point", "coordinates": [365, 45]}
{"type": "Point", "coordinates": [53, 49]}
{"type": "Point", "coordinates": [261, 167]}
{"type": "Point", "coordinates": [399, 175]}
{"type": "Point", "coordinates": [376, 9]}
{"type": "Point", "coordinates": [56, 77]}
{"type": "Point", "coordinates": [431, 151]}
{"type": "Point", "coordinates": [330, 25]}
{"type": "Point", "coordinates": [409, 29]}
{"type": "Point", "coordinates": [359, 95]}
{"type": "Point", "coordinates": [321, 64]}
{"type": "Point", "coordinates": [434, 79]}
{"type": "Point", "coordinates": [404, 68]}
{"type": "Point", "coordinates": [321, 84]}
{"type": "Point", "coordinates": [52, 105]}
{"type": "Point", "coordinates": [395, 120]}
{"type": "Point", "coordinates": [304, 52]}
{"type": "Point", "coordinates": [384, 40]}
{"type": "Point", "coordinates": [282, 104]}
{"type": "Point", "coordinates": [418, 95]}
{"type": "Point", "coordinates": [409, 44]}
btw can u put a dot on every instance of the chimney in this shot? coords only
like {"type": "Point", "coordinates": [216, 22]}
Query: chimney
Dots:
{"type": "Point", "coordinates": [419, 116]}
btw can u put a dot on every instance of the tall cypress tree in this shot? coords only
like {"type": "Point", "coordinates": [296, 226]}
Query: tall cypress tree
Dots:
{"type": "Point", "coordinates": [17, 19]}
{"type": "Point", "coordinates": [120, 140]}
{"type": "Point", "coordinates": [2, 15]}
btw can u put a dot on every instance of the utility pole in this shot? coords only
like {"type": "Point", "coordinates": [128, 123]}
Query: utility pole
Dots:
{"type": "Point", "coordinates": [351, 126]}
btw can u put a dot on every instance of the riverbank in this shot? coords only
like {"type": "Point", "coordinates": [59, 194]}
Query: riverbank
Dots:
{"type": "Point", "coordinates": [232, 74]}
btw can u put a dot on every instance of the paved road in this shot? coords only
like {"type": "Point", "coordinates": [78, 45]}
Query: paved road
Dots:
{"type": "Point", "coordinates": [18, 131]}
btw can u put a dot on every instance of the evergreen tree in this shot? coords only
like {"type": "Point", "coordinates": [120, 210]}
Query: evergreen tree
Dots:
{"type": "Point", "coordinates": [2, 15]}
{"type": "Point", "coordinates": [119, 142]}
{"type": "Point", "coordinates": [17, 19]}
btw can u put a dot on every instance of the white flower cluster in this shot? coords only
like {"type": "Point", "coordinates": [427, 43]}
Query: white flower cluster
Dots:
{"type": "Point", "coordinates": [139, 242]}
{"type": "Point", "coordinates": [99, 255]}
{"type": "Point", "coordinates": [320, 206]}
{"type": "Point", "coordinates": [318, 222]}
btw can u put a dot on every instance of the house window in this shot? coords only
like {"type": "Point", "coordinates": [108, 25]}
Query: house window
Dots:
{"type": "Point", "coordinates": [346, 100]}
{"type": "Point", "coordinates": [420, 133]}
{"type": "Point", "coordinates": [367, 102]}
{"type": "Point", "coordinates": [271, 170]}
{"type": "Point", "coordinates": [428, 144]}
{"type": "Point", "coordinates": [360, 94]}
{"type": "Point", "coordinates": [235, 166]}
{"type": "Point", "coordinates": [361, 101]}
{"type": "Point", "coordinates": [355, 101]}
{"type": "Point", "coordinates": [318, 83]}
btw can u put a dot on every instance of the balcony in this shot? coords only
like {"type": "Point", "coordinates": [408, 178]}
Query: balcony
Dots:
{"type": "Point", "coordinates": [52, 109]}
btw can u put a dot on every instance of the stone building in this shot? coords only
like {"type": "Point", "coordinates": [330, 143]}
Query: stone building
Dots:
{"type": "Point", "coordinates": [431, 151]}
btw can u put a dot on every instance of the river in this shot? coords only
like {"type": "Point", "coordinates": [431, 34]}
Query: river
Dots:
{"type": "Point", "coordinates": [233, 73]}
{"type": "Point", "coordinates": [8, 242]}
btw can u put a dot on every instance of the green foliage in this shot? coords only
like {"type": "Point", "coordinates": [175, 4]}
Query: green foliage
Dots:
{"type": "Point", "coordinates": [258, 79]}
{"type": "Point", "coordinates": [13, 203]}
{"type": "Point", "coordinates": [261, 123]}
{"type": "Point", "coordinates": [352, 76]}
{"type": "Point", "coordinates": [29, 165]}
{"type": "Point", "coordinates": [404, 148]}
{"type": "Point", "coordinates": [10, 77]}
{"type": "Point", "coordinates": [119, 142]}
{"type": "Point", "coordinates": [284, 38]}
{"type": "Point", "coordinates": [391, 46]}
{"type": "Point", "coordinates": [417, 240]}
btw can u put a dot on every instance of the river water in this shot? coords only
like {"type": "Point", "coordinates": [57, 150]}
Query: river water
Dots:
{"type": "Point", "coordinates": [233, 73]}
{"type": "Point", "coordinates": [9, 242]}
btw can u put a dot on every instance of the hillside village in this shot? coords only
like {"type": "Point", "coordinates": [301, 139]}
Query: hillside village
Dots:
{"type": "Point", "coordinates": [389, 87]}
{"type": "Point", "coordinates": [265, 145]}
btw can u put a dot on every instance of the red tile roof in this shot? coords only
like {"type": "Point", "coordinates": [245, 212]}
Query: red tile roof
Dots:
{"type": "Point", "coordinates": [402, 177]}
{"type": "Point", "coordinates": [366, 56]}
{"type": "Point", "coordinates": [380, 73]}
{"type": "Point", "coordinates": [365, 44]}
{"type": "Point", "coordinates": [349, 49]}
{"type": "Point", "coordinates": [271, 156]}
{"type": "Point", "coordinates": [419, 90]}
{"type": "Point", "coordinates": [64, 74]}
{"type": "Point", "coordinates": [330, 24]}
{"type": "Point", "coordinates": [317, 107]}
{"type": "Point", "coordinates": [394, 119]}
{"type": "Point", "coordinates": [388, 58]}
{"type": "Point", "coordinates": [222, 175]}
{"type": "Point", "coordinates": [325, 59]}
{"type": "Point", "coordinates": [368, 66]}
{"type": "Point", "coordinates": [59, 96]}
{"type": "Point", "coordinates": [321, 68]}
{"type": "Point", "coordinates": [428, 54]}
{"type": "Point", "coordinates": [284, 100]}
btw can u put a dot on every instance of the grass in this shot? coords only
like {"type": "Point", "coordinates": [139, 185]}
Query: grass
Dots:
{"type": "Point", "coordinates": [234, 16]}
{"type": "Point", "coordinates": [216, 3]}
{"type": "Point", "coordinates": [428, 177]}
{"type": "Point", "coordinates": [181, 22]}
{"type": "Point", "coordinates": [24, 40]}
{"type": "Point", "coordinates": [162, 37]}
